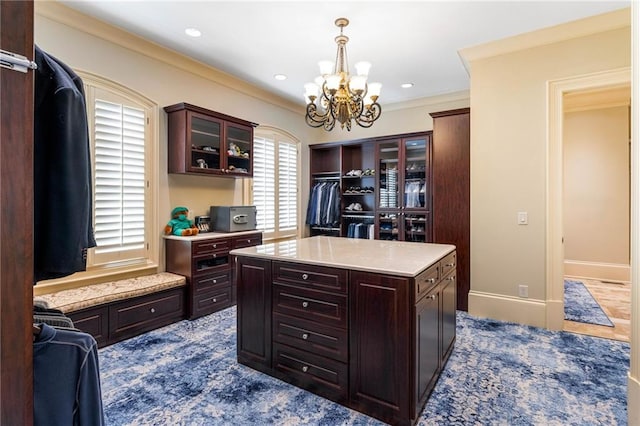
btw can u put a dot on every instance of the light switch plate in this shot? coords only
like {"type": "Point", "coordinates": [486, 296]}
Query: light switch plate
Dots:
{"type": "Point", "coordinates": [523, 218]}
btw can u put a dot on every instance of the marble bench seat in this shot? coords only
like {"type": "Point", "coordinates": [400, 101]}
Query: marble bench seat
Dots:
{"type": "Point", "coordinates": [98, 294]}
{"type": "Point", "coordinates": [118, 310]}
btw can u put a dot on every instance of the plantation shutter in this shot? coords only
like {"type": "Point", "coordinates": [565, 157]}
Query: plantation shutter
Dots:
{"type": "Point", "coordinates": [287, 187]}
{"type": "Point", "coordinates": [264, 183]}
{"type": "Point", "coordinates": [119, 195]}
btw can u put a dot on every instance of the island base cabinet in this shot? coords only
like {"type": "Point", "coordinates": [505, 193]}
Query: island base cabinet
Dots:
{"type": "Point", "coordinates": [253, 278]}
{"type": "Point", "coordinates": [380, 347]}
{"type": "Point", "coordinates": [427, 355]}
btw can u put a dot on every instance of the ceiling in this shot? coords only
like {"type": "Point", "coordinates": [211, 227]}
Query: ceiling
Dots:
{"type": "Point", "coordinates": [406, 41]}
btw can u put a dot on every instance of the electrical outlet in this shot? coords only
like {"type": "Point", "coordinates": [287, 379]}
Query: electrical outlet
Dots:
{"type": "Point", "coordinates": [523, 290]}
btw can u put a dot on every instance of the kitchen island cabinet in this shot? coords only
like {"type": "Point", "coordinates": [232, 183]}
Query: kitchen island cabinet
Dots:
{"type": "Point", "coordinates": [366, 323]}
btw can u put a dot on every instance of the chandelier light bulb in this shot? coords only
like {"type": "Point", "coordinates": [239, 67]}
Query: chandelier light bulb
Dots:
{"type": "Point", "coordinates": [362, 68]}
{"type": "Point", "coordinates": [357, 83]}
{"type": "Point", "coordinates": [310, 92]}
{"type": "Point", "coordinates": [319, 81]}
{"type": "Point", "coordinates": [333, 81]}
{"type": "Point", "coordinates": [326, 67]}
{"type": "Point", "coordinates": [374, 90]}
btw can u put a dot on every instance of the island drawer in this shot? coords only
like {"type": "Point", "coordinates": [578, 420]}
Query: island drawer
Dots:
{"type": "Point", "coordinates": [318, 277]}
{"type": "Point", "coordinates": [323, 376]}
{"type": "Point", "coordinates": [448, 263]}
{"type": "Point", "coordinates": [210, 246]}
{"type": "Point", "coordinates": [310, 336]}
{"type": "Point", "coordinates": [427, 280]}
{"type": "Point", "coordinates": [208, 282]}
{"type": "Point", "coordinates": [325, 308]}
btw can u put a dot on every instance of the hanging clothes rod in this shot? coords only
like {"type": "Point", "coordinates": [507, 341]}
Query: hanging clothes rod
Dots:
{"type": "Point", "coordinates": [359, 216]}
{"type": "Point", "coordinates": [336, 178]}
{"type": "Point", "coordinates": [16, 62]}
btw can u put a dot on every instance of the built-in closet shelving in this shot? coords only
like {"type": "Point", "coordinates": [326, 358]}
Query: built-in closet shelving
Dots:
{"type": "Point", "coordinates": [408, 187]}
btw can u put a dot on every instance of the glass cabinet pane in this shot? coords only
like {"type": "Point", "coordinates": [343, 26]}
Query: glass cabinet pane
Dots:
{"type": "Point", "coordinates": [415, 173]}
{"type": "Point", "coordinates": [415, 227]}
{"type": "Point", "coordinates": [238, 153]}
{"type": "Point", "coordinates": [388, 226]}
{"type": "Point", "coordinates": [388, 153]}
{"type": "Point", "coordinates": [205, 143]}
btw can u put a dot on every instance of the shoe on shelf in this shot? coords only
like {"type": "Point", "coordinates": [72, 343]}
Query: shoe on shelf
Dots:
{"type": "Point", "coordinates": [350, 207]}
{"type": "Point", "coordinates": [357, 207]}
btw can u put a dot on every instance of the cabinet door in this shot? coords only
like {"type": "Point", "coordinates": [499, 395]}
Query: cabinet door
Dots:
{"type": "Point", "coordinates": [449, 302]}
{"type": "Point", "coordinates": [388, 175]}
{"type": "Point", "coordinates": [380, 346]}
{"type": "Point", "coordinates": [415, 188]}
{"type": "Point", "coordinates": [253, 279]}
{"type": "Point", "coordinates": [427, 337]}
{"type": "Point", "coordinates": [204, 142]}
{"type": "Point", "coordinates": [238, 149]}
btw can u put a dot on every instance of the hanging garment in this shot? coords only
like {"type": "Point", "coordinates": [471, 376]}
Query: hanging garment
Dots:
{"type": "Point", "coordinates": [324, 204]}
{"type": "Point", "coordinates": [66, 379]}
{"type": "Point", "coordinates": [63, 228]}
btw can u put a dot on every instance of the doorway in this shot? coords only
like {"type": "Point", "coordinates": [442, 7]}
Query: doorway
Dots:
{"type": "Point", "coordinates": [561, 91]}
{"type": "Point", "coordinates": [596, 211]}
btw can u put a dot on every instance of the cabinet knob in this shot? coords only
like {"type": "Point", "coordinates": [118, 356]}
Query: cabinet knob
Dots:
{"type": "Point", "coordinates": [452, 278]}
{"type": "Point", "coordinates": [450, 264]}
{"type": "Point", "coordinates": [152, 310]}
{"type": "Point", "coordinates": [431, 280]}
{"type": "Point", "coordinates": [432, 297]}
{"type": "Point", "coordinates": [305, 304]}
{"type": "Point", "coordinates": [215, 281]}
{"type": "Point", "coordinates": [305, 336]}
{"type": "Point", "coordinates": [249, 241]}
{"type": "Point", "coordinates": [305, 276]}
{"type": "Point", "coordinates": [305, 368]}
{"type": "Point", "coordinates": [214, 300]}
{"type": "Point", "coordinates": [215, 245]}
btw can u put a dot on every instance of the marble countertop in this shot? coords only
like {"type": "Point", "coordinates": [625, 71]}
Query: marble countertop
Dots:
{"type": "Point", "coordinates": [209, 235]}
{"type": "Point", "coordinates": [389, 257]}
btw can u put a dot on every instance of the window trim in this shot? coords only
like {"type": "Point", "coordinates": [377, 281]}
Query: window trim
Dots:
{"type": "Point", "coordinates": [277, 135]}
{"type": "Point", "coordinates": [127, 268]}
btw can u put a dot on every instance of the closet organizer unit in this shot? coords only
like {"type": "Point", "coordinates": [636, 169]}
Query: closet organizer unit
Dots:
{"type": "Point", "coordinates": [408, 187]}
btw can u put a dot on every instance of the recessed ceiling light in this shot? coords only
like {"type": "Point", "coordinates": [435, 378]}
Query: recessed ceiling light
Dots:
{"type": "Point", "coordinates": [192, 32]}
{"type": "Point", "coordinates": [406, 85]}
{"type": "Point", "coordinates": [280, 77]}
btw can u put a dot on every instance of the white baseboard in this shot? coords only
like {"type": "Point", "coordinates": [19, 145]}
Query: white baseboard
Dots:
{"type": "Point", "coordinates": [506, 308]}
{"type": "Point", "coordinates": [633, 401]}
{"type": "Point", "coordinates": [614, 272]}
{"type": "Point", "coordinates": [555, 315]}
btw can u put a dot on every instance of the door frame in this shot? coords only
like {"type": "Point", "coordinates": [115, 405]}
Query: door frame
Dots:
{"type": "Point", "coordinates": [556, 89]}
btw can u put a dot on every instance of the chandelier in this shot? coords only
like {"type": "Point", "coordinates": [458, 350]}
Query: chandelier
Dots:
{"type": "Point", "coordinates": [342, 97]}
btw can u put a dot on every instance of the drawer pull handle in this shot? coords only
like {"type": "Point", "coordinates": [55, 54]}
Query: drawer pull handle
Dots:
{"type": "Point", "coordinates": [215, 245]}
{"type": "Point", "coordinates": [152, 310]}
{"type": "Point", "coordinates": [305, 336]}
{"type": "Point", "coordinates": [215, 281]}
{"type": "Point", "coordinates": [305, 276]}
{"type": "Point", "coordinates": [305, 369]}
{"type": "Point", "coordinates": [214, 300]}
{"type": "Point", "coordinates": [214, 256]}
{"type": "Point", "coordinates": [450, 264]}
{"type": "Point", "coordinates": [305, 304]}
{"type": "Point", "coordinates": [452, 278]}
{"type": "Point", "coordinates": [432, 297]}
{"type": "Point", "coordinates": [431, 280]}
{"type": "Point", "coordinates": [249, 241]}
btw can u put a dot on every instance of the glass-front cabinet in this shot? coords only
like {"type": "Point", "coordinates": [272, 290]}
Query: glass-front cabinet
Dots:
{"type": "Point", "coordinates": [206, 142]}
{"type": "Point", "coordinates": [404, 189]}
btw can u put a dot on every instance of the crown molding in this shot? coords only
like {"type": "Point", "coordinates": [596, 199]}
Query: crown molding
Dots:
{"type": "Point", "coordinates": [580, 28]}
{"type": "Point", "coordinates": [64, 15]}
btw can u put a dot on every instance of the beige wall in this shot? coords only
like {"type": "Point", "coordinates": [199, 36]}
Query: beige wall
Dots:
{"type": "Point", "coordinates": [509, 155]}
{"type": "Point", "coordinates": [596, 186]}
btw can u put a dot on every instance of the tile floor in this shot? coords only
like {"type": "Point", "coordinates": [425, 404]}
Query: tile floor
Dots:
{"type": "Point", "coordinates": [615, 300]}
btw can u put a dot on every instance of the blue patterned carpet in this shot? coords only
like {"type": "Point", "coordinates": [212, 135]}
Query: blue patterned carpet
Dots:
{"type": "Point", "coordinates": [580, 306]}
{"type": "Point", "coordinates": [498, 374]}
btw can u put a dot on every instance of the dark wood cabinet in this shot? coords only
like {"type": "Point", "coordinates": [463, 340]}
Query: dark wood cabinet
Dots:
{"type": "Point", "coordinates": [452, 192]}
{"type": "Point", "coordinates": [207, 265]}
{"type": "Point", "coordinates": [206, 142]}
{"type": "Point", "coordinates": [253, 278]}
{"type": "Point", "coordinates": [380, 349]}
{"type": "Point", "coordinates": [373, 342]}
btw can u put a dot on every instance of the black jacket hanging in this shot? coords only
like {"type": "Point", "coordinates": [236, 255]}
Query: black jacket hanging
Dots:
{"type": "Point", "coordinates": [63, 228]}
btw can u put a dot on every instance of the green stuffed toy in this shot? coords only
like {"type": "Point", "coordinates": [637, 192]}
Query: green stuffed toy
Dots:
{"type": "Point", "coordinates": [180, 223]}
